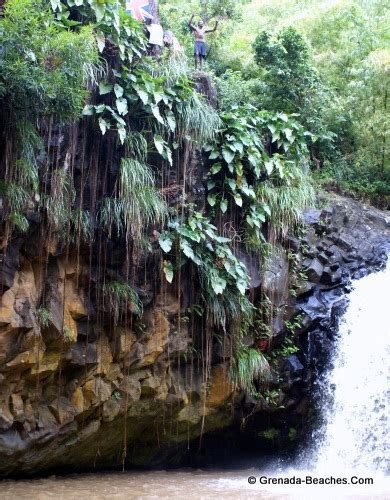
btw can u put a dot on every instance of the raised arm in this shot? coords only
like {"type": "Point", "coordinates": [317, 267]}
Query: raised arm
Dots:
{"type": "Point", "coordinates": [214, 29]}
{"type": "Point", "coordinates": [191, 26]}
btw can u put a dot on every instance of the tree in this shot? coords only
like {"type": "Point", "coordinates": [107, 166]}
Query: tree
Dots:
{"type": "Point", "coordinates": [292, 82]}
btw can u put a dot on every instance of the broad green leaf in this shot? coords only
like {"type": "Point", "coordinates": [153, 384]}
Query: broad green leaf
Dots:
{"type": "Point", "coordinates": [118, 119]}
{"type": "Point", "coordinates": [192, 235]}
{"type": "Point", "coordinates": [271, 128]}
{"type": "Point", "coordinates": [157, 115]}
{"type": "Point", "coordinates": [144, 96]}
{"type": "Point", "coordinates": [242, 286]}
{"type": "Point", "coordinates": [218, 284]}
{"type": "Point", "coordinates": [105, 88]}
{"type": "Point", "coordinates": [232, 184]}
{"type": "Point", "coordinates": [223, 205]}
{"type": "Point", "coordinates": [104, 125]}
{"type": "Point", "coordinates": [118, 91]}
{"type": "Point", "coordinates": [100, 108]}
{"type": "Point", "coordinates": [238, 199]}
{"type": "Point", "coordinates": [159, 143]}
{"type": "Point", "coordinates": [266, 209]}
{"type": "Point", "coordinates": [227, 155]}
{"type": "Point", "coordinates": [122, 133]}
{"type": "Point", "coordinates": [216, 168]}
{"type": "Point", "coordinates": [157, 97]}
{"type": "Point", "coordinates": [269, 166]}
{"type": "Point", "coordinates": [167, 155]}
{"type": "Point", "coordinates": [288, 133]}
{"type": "Point", "coordinates": [165, 242]}
{"type": "Point", "coordinates": [55, 4]}
{"type": "Point", "coordinates": [211, 184]}
{"type": "Point", "coordinates": [239, 168]}
{"type": "Point", "coordinates": [99, 9]}
{"type": "Point", "coordinates": [239, 146]}
{"type": "Point", "coordinates": [212, 199]}
{"type": "Point", "coordinates": [171, 120]}
{"type": "Point", "coordinates": [101, 41]}
{"type": "Point", "coordinates": [168, 271]}
{"type": "Point", "coordinates": [189, 252]}
{"type": "Point", "coordinates": [121, 106]}
{"type": "Point", "coordinates": [88, 110]}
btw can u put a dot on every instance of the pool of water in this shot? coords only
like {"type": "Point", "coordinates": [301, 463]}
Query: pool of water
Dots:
{"type": "Point", "coordinates": [185, 484]}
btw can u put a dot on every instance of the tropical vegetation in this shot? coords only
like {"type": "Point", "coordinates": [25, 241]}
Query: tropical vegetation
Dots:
{"type": "Point", "coordinates": [99, 137]}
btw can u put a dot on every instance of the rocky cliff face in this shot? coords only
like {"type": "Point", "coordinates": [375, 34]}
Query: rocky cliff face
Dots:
{"type": "Point", "coordinates": [74, 400]}
{"type": "Point", "coordinates": [77, 393]}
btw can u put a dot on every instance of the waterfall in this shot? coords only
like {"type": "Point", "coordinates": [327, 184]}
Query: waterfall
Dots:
{"type": "Point", "coordinates": [356, 391]}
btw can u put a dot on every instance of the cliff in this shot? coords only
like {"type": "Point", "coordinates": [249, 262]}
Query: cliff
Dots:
{"type": "Point", "coordinates": [160, 297]}
{"type": "Point", "coordinates": [106, 395]}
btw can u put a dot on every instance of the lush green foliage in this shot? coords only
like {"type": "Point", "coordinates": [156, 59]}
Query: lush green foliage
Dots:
{"type": "Point", "coordinates": [84, 64]}
{"type": "Point", "coordinates": [199, 241]}
{"type": "Point", "coordinates": [343, 60]}
{"type": "Point", "coordinates": [259, 153]}
{"type": "Point", "coordinates": [43, 68]}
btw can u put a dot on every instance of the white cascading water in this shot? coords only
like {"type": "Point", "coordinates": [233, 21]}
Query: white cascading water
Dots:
{"type": "Point", "coordinates": [354, 439]}
{"type": "Point", "coordinates": [356, 433]}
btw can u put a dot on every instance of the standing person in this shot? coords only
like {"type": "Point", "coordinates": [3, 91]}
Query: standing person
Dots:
{"type": "Point", "coordinates": [200, 40]}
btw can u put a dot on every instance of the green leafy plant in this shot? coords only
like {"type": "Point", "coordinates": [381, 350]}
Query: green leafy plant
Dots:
{"type": "Point", "coordinates": [137, 202]}
{"type": "Point", "coordinates": [200, 243]}
{"type": "Point", "coordinates": [44, 317]}
{"type": "Point", "coordinates": [257, 152]}
{"type": "Point", "coordinates": [44, 69]}
{"type": "Point", "coordinates": [248, 364]}
{"type": "Point", "coordinates": [119, 293]}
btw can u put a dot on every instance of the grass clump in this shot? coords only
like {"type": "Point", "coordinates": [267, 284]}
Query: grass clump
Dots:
{"type": "Point", "coordinates": [247, 365]}
{"type": "Point", "coordinates": [119, 293]}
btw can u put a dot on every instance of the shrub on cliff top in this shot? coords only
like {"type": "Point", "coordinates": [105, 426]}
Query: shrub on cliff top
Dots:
{"type": "Point", "coordinates": [43, 68]}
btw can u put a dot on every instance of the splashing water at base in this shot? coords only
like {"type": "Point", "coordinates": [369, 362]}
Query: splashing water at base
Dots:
{"type": "Point", "coordinates": [354, 439]}
{"type": "Point", "coordinates": [356, 431]}
{"type": "Point", "coordinates": [353, 442]}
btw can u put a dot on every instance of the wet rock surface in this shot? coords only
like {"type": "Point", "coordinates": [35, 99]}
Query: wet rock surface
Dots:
{"type": "Point", "coordinates": [101, 396]}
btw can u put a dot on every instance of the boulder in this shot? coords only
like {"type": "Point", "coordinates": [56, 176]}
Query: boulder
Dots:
{"type": "Point", "coordinates": [314, 271]}
{"type": "Point", "coordinates": [111, 408]}
{"type": "Point", "coordinates": [9, 263]}
{"type": "Point", "coordinates": [221, 389]}
{"type": "Point", "coordinates": [63, 410]}
{"type": "Point", "coordinates": [131, 386]}
{"type": "Point", "coordinates": [6, 417]}
{"type": "Point", "coordinates": [78, 402]}
{"type": "Point", "coordinates": [123, 340]}
{"type": "Point", "coordinates": [96, 391]}
{"type": "Point", "coordinates": [276, 277]}
{"type": "Point", "coordinates": [17, 406]}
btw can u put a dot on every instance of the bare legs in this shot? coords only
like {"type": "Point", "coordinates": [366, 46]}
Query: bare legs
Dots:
{"type": "Point", "coordinates": [199, 63]}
